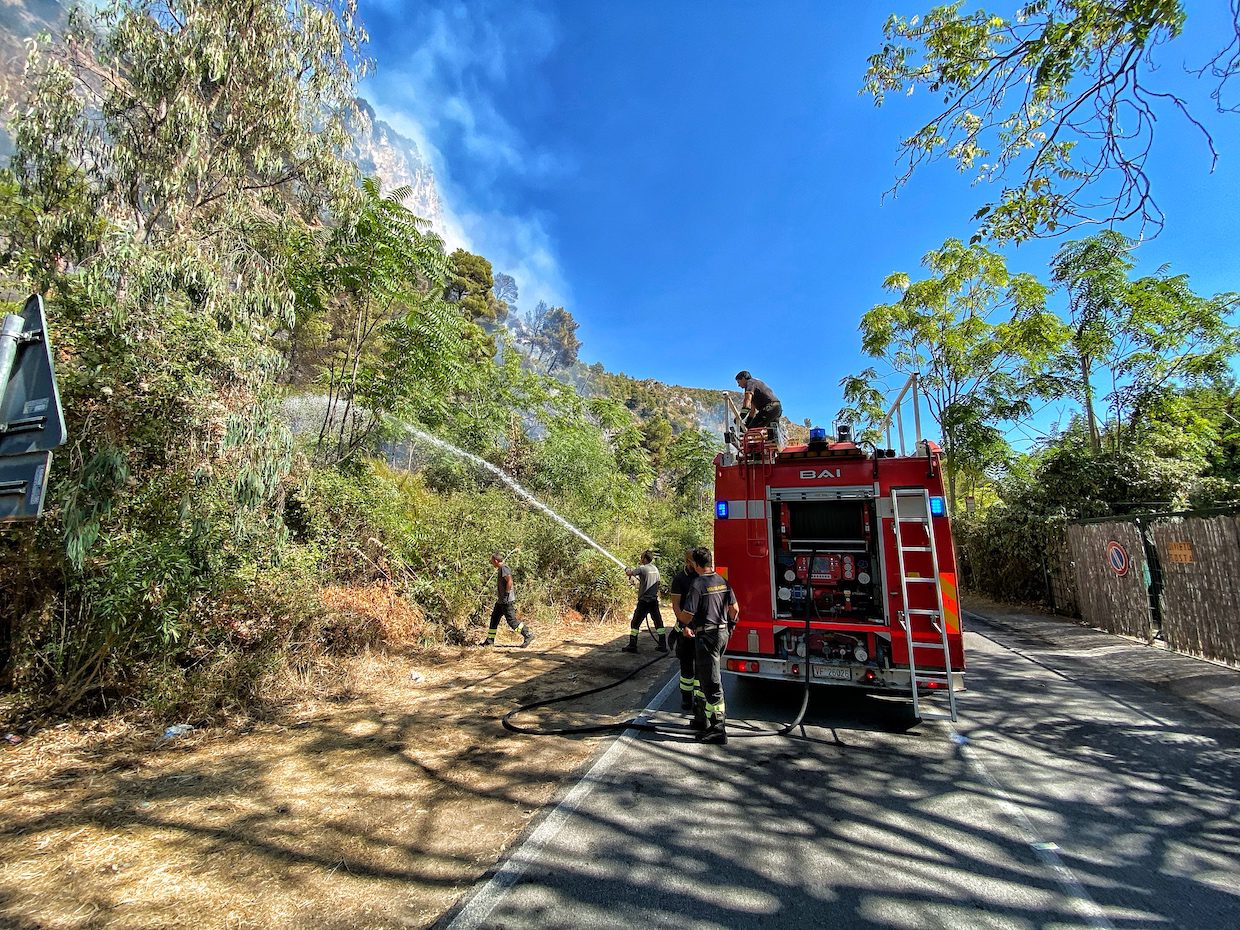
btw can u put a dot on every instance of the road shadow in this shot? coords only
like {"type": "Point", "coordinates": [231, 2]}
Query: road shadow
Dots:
{"type": "Point", "coordinates": [876, 822]}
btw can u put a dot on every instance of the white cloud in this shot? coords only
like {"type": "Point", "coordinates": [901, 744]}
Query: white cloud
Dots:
{"type": "Point", "coordinates": [436, 83]}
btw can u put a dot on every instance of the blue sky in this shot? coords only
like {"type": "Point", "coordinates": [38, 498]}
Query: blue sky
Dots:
{"type": "Point", "coordinates": [701, 184]}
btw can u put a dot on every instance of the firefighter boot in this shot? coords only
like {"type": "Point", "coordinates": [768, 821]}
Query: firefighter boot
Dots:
{"type": "Point", "coordinates": [699, 722]}
{"type": "Point", "coordinates": [716, 733]}
{"type": "Point", "coordinates": [661, 645]}
{"type": "Point", "coordinates": [527, 637]}
{"type": "Point", "coordinates": [686, 702]}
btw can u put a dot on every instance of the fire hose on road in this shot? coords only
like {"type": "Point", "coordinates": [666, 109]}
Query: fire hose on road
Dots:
{"type": "Point", "coordinates": [636, 723]}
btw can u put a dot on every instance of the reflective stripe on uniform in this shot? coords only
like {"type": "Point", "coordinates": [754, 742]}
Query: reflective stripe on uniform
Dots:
{"type": "Point", "coordinates": [686, 684]}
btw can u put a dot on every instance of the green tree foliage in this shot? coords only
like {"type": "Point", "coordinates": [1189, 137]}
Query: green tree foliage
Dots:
{"type": "Point", "coordinates": [177, 195]}
{"type": "Point", "coordinates": [684, 408]}
{"type": "Point", "coordinates": [166, 156]}
{"type": "Point", "coordinates": [1169, 468]}
{"type": "Point", "coordinates": [656, 437]}
{"type": "Point", "coordinates": [470, 285]}
{"type": "Point", "coordinates": [1058, 102]}
{"type": "Point", "coordinates": [553, 337]}
{"type": "Point", "coordinates": [1144, 335]}
{"type": "Point", "coordinates": [1181, 452]}
{"type": "Point", "coordinates": [1094, 273]}
{"type": "Point", "coordinates": [505, 289]}
{"type": "Point", "coordinates": [974, 333]}
{"type": "Point", "coordinates": [691, 469]}
{"type": "Point", "coordinates": [391, 342]}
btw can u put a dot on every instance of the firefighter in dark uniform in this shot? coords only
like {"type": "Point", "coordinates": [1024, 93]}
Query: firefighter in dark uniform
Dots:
{"type": "Point", "coordinates": [711, 605]}
{"type": "Point", "coordinates": [685, 646]}
{"type": "Point", "coordinates": [505, 604]}
{"type": "Point", "coordinates": [647, 576]}
{"type": "Point", "coordinates": [760, 406]}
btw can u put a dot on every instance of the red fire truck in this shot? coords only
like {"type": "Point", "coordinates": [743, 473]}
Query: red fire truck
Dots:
{"type": "Point", "coordinates": [842, 561]}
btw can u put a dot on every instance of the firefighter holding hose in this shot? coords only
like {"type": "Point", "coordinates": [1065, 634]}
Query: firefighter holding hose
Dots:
{"type": "Point", "coordinates": [647, 576]}
{"type": "Point", "coordinates": [711, 612]}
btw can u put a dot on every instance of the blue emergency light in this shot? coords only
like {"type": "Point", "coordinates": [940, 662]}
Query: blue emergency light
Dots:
{"type": "Point", "coordinates": [817, 434]}
{"type": "Point", "coordinates": [721, 509]}
{"type": "Point", "coordinates": [937, 508]}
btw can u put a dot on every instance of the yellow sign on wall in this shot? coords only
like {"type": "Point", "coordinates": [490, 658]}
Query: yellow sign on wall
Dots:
{"type": "Point", "coordinates": [1181, 552]}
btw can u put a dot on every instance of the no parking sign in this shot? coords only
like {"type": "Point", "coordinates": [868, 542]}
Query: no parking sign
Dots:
{"type": "Point", "coordinates": [1117, 558]}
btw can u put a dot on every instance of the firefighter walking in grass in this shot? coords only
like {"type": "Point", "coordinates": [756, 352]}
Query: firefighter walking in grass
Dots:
{"type": "Point", "coordinates": [505, 604]}
{"type": "Point", "coordinates": [710, 612]}
{"type": "Point", "coordinates": [647, 576]}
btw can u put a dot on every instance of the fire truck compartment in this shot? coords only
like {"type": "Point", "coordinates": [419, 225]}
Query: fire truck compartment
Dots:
{"type": "Point", "coordinates": [825, 560]}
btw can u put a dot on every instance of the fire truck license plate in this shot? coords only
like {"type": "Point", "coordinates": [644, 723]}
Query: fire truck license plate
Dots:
{"type": "Point", "coordinates": [826, 671]}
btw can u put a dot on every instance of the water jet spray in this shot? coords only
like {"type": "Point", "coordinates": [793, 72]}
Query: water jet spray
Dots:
{"type": "Point", "coordinates": [512, 484]}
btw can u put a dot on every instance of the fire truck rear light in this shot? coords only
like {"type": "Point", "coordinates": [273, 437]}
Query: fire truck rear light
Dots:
{"type": "Point", "coordinates": [869, 676]}
{"type": "Point", "coordinates": [937, 507]}
{"type": "Point", "coordinates": [796, 670]}
{"type": "Point", "coordinates": [740, 665]}
{"type": "Point", "coordinates": [933, 685]}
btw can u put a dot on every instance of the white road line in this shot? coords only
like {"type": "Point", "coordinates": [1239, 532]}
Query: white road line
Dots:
{"type": "Point", "coordinates": [480, 906]}
{"type": "Point", "coordinates": [1047, 852]}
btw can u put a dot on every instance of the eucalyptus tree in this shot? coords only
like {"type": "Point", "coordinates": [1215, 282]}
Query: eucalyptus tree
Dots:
{"type": "Point", "coordinates": [975, 333]}
{"type": "Point", "coordinates": [1058, 101]}
{"type": "Point", "coordinates": [175, 155]}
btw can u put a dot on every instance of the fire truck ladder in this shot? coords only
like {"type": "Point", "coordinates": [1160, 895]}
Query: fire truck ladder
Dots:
{"type": "Point", "coordinates": [917, 510]}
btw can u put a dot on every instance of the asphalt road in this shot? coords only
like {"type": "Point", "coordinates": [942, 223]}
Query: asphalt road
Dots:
{"type": "Point", "coordinates": [1065, 797]}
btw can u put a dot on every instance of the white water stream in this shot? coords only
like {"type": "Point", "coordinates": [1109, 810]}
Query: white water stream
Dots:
{"type": "Point", "coordinates": [512, 483]}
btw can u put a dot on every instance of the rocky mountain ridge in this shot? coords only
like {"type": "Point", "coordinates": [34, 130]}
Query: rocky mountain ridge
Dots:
{"type": "Point", "coordinates": [380, 151]}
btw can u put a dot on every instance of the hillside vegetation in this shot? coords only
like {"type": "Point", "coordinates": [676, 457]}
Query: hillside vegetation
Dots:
{"type": "Point", "coordinates": [179, 197]}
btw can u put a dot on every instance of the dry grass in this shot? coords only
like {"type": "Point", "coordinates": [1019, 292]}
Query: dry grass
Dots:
{"type": "Point", "coordinates": [392, 618]}
{"type": "Point", "coordinates": [373, 800]}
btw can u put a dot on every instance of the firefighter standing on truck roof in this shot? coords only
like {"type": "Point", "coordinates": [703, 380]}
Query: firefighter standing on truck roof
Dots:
{"type": "Point", "coordinates": [505, 604]}
{"type": "Point", "coordinates": [760, 406]}
{"type": "Point", "coordinates": [647, 576]}
{"type": "Point", "coordinates": [685, 646]}
{"type": "Point", "coordinates": [710, 607]}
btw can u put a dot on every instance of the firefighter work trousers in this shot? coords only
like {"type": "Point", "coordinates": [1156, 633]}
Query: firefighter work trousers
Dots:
{"type": "Point", "coordinates": [710, 643]}
{"type": "Point", "coordinates": [766, 416]}
{"type": "Point", "coordinates": [507, 610]}
{"type": "Point", "coordinates": [686, 653]}
{"type": "Point", "coordinates": [646, 608]}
